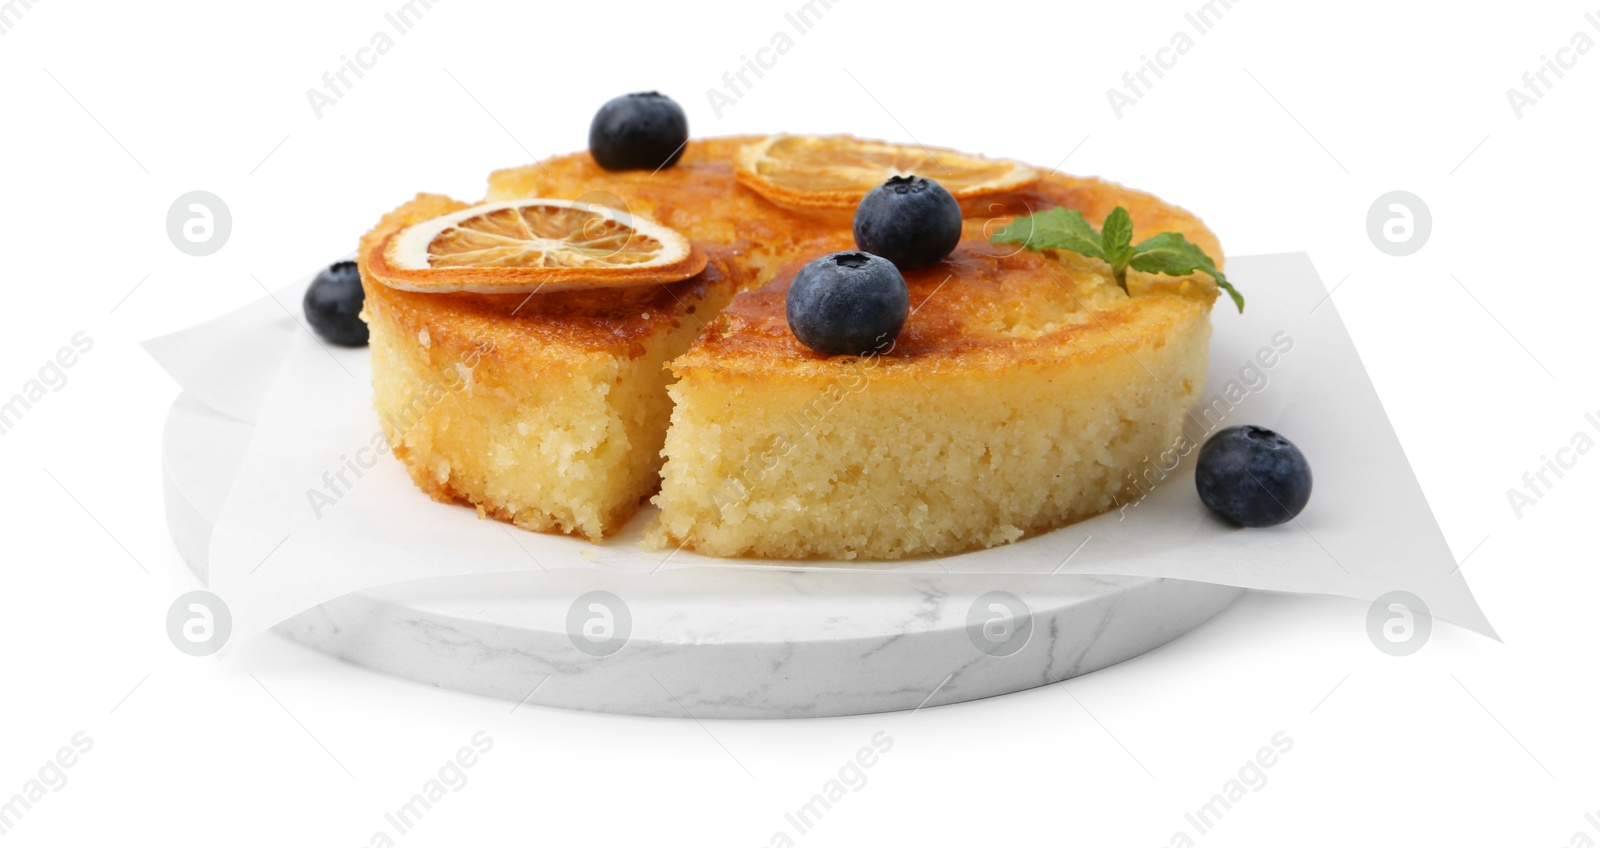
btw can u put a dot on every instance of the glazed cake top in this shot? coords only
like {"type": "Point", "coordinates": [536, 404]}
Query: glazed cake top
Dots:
{"type": "Point", "coordinates": [982, 307]}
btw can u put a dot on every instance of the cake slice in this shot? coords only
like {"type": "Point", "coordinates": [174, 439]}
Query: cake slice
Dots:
{"type": "Point", "coordinates": [546, 411]}
{"type": "Point", "coordinates": [550, 411]}
{"type": "Point", "coordinates": [1026, 391]}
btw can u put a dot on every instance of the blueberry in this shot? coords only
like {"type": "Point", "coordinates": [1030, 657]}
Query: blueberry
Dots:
{"type": "Point", "coordinates": [910, 221]}
{"type": "Point", "coordinates": [646, 130]}
{"type": "Point", "coordinates": [1252, 476]}
{"type": "Point", "coordinates": [848, 303]}
{"type": "Point", "coordinates": [333, 305]}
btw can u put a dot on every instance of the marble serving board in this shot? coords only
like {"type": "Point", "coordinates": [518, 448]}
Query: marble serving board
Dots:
{"type": "Point", "coordinates": [705, 642]}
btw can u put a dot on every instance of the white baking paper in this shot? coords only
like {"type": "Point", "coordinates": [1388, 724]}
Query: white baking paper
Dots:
{"type": "Point", "coordinates": [320, 509]}
{"type": "Point", "coordinates": [227, 363]}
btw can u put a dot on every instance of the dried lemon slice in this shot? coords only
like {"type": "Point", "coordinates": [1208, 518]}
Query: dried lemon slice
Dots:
{"type": "Point", "coordinates": [534, 244]}
{"type": "Point", "coordinates": [836, 171]}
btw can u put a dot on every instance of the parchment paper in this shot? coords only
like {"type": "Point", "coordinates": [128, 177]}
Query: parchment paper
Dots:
{"type": "Point", "coordinates": [1287, 363]}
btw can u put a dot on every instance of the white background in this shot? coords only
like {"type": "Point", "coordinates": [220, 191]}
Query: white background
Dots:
{"type": "Point", "coordinates": [1280, 127]}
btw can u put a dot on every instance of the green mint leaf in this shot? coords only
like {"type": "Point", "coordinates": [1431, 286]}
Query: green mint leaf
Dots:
{"type": "Point", "coordinates": [1116, 237]}
{"type": "Point", "coordinates": [1233, 293]}
{"type": "Point", "coordinates": [1171, 253]}
{"type": "Point", "coordinates": [1056, 229]}
{"type": "Point", "coordinates": [1066, 229]}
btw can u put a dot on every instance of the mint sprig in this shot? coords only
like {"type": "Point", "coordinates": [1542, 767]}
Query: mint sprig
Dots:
{"type": "Point", "coordinates": [1066, 229]}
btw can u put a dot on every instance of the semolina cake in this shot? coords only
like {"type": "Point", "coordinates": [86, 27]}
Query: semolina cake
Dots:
{"type": "Point", "coordinates": [1023, 393]}
{"type": "Point", "coordinates": [549, 411]}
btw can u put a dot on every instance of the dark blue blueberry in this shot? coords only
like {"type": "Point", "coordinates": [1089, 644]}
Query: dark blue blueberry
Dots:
{"type": "Point", "coordinates": [848, 303]}
{"type": "Point", "coordinates": [910, 221]}
{"type": "Point", "coordinates": [642, 131]}
{"type": "Point", "coordinates": [1252, 476]}
{"type": "Point", "coordinates": [333, 305]}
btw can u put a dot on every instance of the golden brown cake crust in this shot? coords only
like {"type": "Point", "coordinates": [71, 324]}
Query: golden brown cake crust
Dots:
{"type": "Point", "coordinates": [981, 309]}
{"type": "Point", "coordinates": [702, 198]}
{"type": "Point", "coordinates": [613, 319]}
{"type": "Point", "coordinates": [984, 309]}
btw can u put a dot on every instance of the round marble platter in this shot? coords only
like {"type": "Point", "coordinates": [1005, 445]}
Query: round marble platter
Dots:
{"type": "Point", "coordinates": [706, 643]}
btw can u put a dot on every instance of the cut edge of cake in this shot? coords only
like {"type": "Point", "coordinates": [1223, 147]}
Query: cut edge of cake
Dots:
{"type": "Point", "coordinates": [540, 431]}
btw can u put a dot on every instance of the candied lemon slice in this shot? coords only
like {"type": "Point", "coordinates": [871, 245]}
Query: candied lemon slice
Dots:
{"type": "Point", "coordinates": [534, 244]}
{"type": "Point", "coordinates": [836, 171]}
